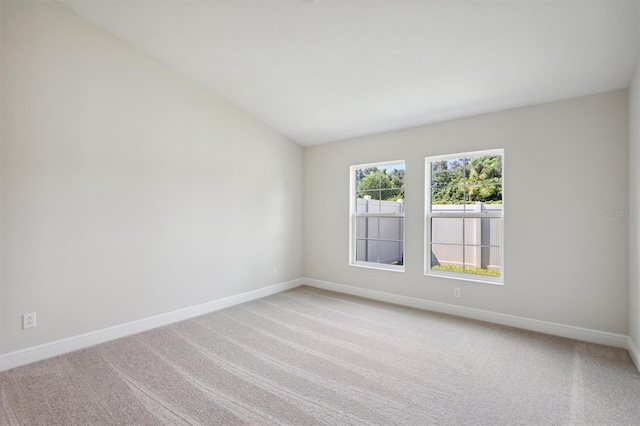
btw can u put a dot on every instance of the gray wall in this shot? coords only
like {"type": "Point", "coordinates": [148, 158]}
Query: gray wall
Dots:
{"type": "Point", "coordinates": [128, 190]}
{"type": "Point", "coordinates": [559, 154]}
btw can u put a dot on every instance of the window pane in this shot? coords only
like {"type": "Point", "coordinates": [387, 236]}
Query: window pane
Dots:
{"type": "Point", "coordinates": [376, 178]}
{"type": "Point", "coordinates": [446, 230]}
{"type": "Point", "coordinates": [459, 185]}
{"type": "Point", "coordinates": [466, 180]}
{"type": "Point", "coordinates": [487, 193]}
{"type": "Point", "coordinates": [447, 208]}
{"type": "Point", "coordinates": [381, 183]}
{"type": "Point", "coordinates": [449, 195]}
{"type": "Point", "coordinates": [391, 228]}
{"type": "Point", "coordinates": [361, 249]}
{"type": "Point", "coordinates": [367, 251]}
{"type": "Point", "coordinates": [379, 191]}
{"type": "Point", "coordinates": [494, 262]}
{"type": "Point", "coordinates": [373, 194]}
{"type": "Point", "coordinates": [372, 228]}
{"type": "Point", "coordinates": [482, 231]}
{"type": "Point", "coordinates": [472, 257]}
{"type": "Point", "coordinates": [446, 171]}
{"type": "Point", "coordinates": [367, 227]}
{"type": "Point", "coordinates": [446, 257]}
{"type": "Point", "coordinates": [483, 272]}
{"type": "Point", "coordinates": [392, 207]}
{"type": "Point", "coordinates": [392, 194]}
{"type": "Point", "coordinates": [473, 231]}
{"type": "Point", "coordinates": [367, 205]}
{"type": "Point", "coordinates": [396, 175]}
{"type": "Point", "coordinates": [482, 260]}
{"type": "Point", "coordinates": [492, 232]}
{"type": "Point", "coordinates": [491, 208]}
{"type": "Point", "coordinates": [391, 252]}
{"type": "Point", "coordinates": [372, 251]}
{"type": "Point", "coordinates": [471, 197]}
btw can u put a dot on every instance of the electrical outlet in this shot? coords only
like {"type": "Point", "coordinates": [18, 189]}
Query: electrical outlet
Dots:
{"type": "Point", "coordinates": [456, 292]}
{"type": "Point", "coordinates": [29, 320]}
{"type": "Point", "coordinates": [275, 271]}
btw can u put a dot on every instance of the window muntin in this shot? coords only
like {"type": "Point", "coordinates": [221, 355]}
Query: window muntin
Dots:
{"type": "Point", "coordinates": [377, 215]}
{"type": "Point", "coordinates": [464, 216]}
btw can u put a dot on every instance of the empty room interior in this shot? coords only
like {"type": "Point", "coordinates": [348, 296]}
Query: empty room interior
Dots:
{"type": "Point", "coordinates": [319, 212]}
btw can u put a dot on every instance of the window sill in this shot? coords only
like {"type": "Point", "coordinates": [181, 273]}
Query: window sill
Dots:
{"type": "Point", "coordinates": [465, 277]}
{"type": "Point", "coordinates": [380, 266]}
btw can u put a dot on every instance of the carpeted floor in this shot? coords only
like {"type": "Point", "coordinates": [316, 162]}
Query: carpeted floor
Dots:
{"type": "Point", "coordinates": [308, 356]}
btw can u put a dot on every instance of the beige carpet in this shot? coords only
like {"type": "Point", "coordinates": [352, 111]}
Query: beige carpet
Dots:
{"type": "Point", "coordinates": [308, 356]}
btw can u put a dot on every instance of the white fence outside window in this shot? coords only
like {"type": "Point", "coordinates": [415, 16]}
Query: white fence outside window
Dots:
{"type": "Point", "coordinates": [474, 241]}
{"type": "Point", "coordinates": [379, 238]}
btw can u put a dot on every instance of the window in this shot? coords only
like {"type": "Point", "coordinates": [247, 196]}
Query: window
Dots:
{"type": "Point", "coordinates": [464, 216]}
{"type": "Point", "coordinates": [377, 215]}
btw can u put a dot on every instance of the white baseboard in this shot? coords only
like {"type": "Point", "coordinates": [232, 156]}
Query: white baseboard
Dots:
{"type": "Point", "coordinates": [635, 354]}
{"type": "Point", "coordinates": [48, 350]}
{"type": "Point", "coordinates": [555, 329]}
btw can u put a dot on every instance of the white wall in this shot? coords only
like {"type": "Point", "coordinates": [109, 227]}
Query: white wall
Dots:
{"type": "Point", "coordinates": [1, 135]}
{"type": "Point", "coordinates": [634, 205]}
{"type": "Point", "coordinates": [128, 190]}
{"type": "Point", "coordinates": [561, 154]}
{"type": "Point", "coordinates": [116, 175]}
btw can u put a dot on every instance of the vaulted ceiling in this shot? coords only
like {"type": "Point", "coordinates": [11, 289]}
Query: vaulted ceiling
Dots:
{"type": "Point", "coordinates": [325, 70]}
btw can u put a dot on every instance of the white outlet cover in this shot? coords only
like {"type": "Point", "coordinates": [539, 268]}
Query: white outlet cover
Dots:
{"type": "Point", "coordinates": [29, 320]}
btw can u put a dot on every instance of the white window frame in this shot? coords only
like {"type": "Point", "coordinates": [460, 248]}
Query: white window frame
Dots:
{"type": "Point", "coordinates": [429, 215]}
{"type": "Point", "coordinates": [353, 216]}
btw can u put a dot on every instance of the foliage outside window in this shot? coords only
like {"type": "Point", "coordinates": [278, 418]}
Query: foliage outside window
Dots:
{"type": "Point", "coordinates": [377, 215]}
{"type": "Point", "coordinates": [464, 216]}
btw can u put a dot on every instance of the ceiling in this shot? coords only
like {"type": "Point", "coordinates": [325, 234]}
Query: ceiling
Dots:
{"type": "Point", "coordinates": [325, 70]}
